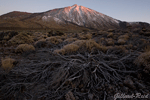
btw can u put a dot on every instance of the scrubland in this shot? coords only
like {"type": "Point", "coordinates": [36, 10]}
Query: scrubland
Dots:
{"type": "Point", "coordinates": [85, 65]}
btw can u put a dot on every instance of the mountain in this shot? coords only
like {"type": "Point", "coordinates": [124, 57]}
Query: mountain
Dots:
{"type": "Point", "coordinates": [72, 16]}
{"type": "Point", "coordinates": [81, 16]}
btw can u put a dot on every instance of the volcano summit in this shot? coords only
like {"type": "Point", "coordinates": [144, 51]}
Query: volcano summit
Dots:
{"type": "Point", "coordinates": [81, 16]}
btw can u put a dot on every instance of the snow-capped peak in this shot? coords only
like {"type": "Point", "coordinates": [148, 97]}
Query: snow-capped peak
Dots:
{"type": "Point", "coordinates": [75, 5]}
{"type": "Point", "coordinates": [82, 16]}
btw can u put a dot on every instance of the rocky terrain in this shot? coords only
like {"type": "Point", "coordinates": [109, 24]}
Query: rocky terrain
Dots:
{"type": "Point", "coordinates": [62, 65]}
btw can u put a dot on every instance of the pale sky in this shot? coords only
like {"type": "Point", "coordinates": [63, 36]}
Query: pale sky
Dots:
{"type": "Point", "coordinates": [124, 10]}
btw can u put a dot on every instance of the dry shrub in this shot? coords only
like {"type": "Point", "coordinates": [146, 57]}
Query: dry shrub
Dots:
{"type": "Point", "coordinates": [21, 39]}
{"type": "Point", "coordinates": [124, 37]}
{"type": "Point", "coordinates": [7, 63]}
{"type": "Point", "coordinates": [55, 33]}
{"type": "Point", "coordinates": [85, 36]}
{"type": "Point", "coordinates": [88, 36]}
{"type": "Point", "coordinates": [71, 35]}
{"type": "Point", "coordinates": [103, 32]}
{"type": "Point", "coordinates": [111, 30]}
{"type": "Point", "coordinates": [143, 60]}
{"type": "Point", "coordinates": [110, 47]}
{"type": "Point", "coordinates": [39, 35]}
{"type": "Point", "coordinates": [60, 40]}
{"type": "Point", "coordinates": [110, 35]}
{"type": "Point", "coordinates": [59, 51]}
{"type": "Point", "coordinates": [25, 48]}
{"type": "Point", "coordinates": [90, 44]}
{"type": "Point", "coordinates": [129, 46]}
{"type": "Point", "coordinates": [69, 48]}
{"type": "Point", "coordinates": [121, 41]}
{"type": "Point", "coordinates": [110, 41]}
{"type": "Point", "coordinates": [81, 36]}
{"type": "Point", "coordinates": [118, 50]}
{"type": "Point", "coordinates": [102, 39]}
{"type": "Point", "coordinates": [40, 43]}
{"type": "Point", "coordinates": [70, 40]}
{"type": "Point", "coordinates": [52, 40]}
{"type": "Point", "coordinates": [115, 37]}
{"type": "Point", "coordinates": [136, 30]}
{"type": "Point", "coordinates": [58, 37]}
{"type": "Point", "coordinates": [7, 35]}
{"type": "Point", "coordinates": [81, 44]}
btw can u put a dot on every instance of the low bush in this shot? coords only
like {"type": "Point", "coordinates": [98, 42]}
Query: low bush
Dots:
{"type": "Point", "coordinates": [136, 30]}
{"type": "Point", "coordinates": [52, 40]}
{"type": "Point", "coordinates": [84, 45]}
{"type": "Point", "coordinates": [69, 48]}
{"type": "Point", "coordinates": [119, 50]}
{"type": "Point", "coordinates": [70, 40]}
{"type": "Point", "coordinates": [85, 36]}
{"type": "Point", "coordinates": [121, 41]}
{"type": "Point", "coordinates": [103, 33]}
{"type": "Point", "coordinates": [21, 39]}
{"type": "Point", "coordinates": [7, 35]}
{"type": "Point", "coordinates": [110, 41]}
{"type": "Point", "coordinates": [111, 30]}
{"type": "Point", "coordinates": [40, 43]}
{"type": "Point", "coordinates": [124, 37]}
{"type": "Point", "coordinates": [60, 40]}
{"type": "Point", "coordinates": [7, 63]}
{"type": "Point", "coordinates": [25, 48]}
{"type": "Point", "coordinates": [143, 60]}
{"type": "Point", "coordinates": [110, 35]}
{"type": "Point", "coordinates": [88, 36]}
{"type": "Point", "coordinates": [55, 33]}
{"type": "Point", "coordinates": [39, 35]}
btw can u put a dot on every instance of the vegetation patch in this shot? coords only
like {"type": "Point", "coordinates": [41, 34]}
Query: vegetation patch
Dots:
{"type": "Point", "coordinates": [25, 48]}
{"type": "Point", "coordinates": [124, 37]}
{"type": "Point", "coordinates": [40, 43]}
{"type": "Point", "coordinates": [110, 41]}
{"type": "Point", "coordinates": [69, 48]}
{"type": "Point", "coordinates": [8, 63]}
{"type": "Point", "coordinates": [53, 39]}
{"type": "Point", "coordinates": [85, 36]}
{"type": "Point", "coordinates": [110, 35]}
{"type": "Point", "coordinates": [21, 39]}
{"type": "Point", "coordinates": [144, 60]}
{"type": "Point", "coordinates": [70, 40]}
{"type": "Point", "coordinates": [88, 45]}
{"type": "Point", "coordinates": [121, 41]}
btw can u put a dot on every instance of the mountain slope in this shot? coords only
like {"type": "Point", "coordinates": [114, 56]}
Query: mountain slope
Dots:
{"type": "Point", "coordinates": [15, 14]}
{"type": "Point", "coordinates": [74, 16]}
{"type": "Point", "coordinates": [81, 16]}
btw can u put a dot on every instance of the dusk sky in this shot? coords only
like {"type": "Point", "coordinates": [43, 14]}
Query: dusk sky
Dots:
{"type": "Point", "coordinates": [124, 10]}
